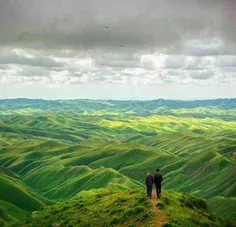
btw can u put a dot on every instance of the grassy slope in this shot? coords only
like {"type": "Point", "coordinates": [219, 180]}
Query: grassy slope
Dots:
{"type": "Point", "coordinates": [44, 167]}
{"type": "Point", "coordinates": [48, 151]}
{"type": "Point", "coordinates": [59, 182]}
{"type": "Point", "coordinates": [23, 197]}
{"type": "Point", "coordinates": [223, 207]}
{"type": "Point", "coordinates": [10, 213]}
{"type": "Point", "coordinates": [17, 200]}
{"type": "Point", "coordinates": [126, 208]}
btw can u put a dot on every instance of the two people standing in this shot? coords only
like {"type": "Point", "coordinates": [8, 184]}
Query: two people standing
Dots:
{"type": "Point", "coordinates": [157, 179]}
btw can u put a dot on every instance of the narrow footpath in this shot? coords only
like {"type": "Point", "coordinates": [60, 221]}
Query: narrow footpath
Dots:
{"type": "Point", "coordinates": [158, 221]}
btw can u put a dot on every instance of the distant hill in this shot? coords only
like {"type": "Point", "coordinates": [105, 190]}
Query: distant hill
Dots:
{"type": "Point", "coordinates": [201, 108]}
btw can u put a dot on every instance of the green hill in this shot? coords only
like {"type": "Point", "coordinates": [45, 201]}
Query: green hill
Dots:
{"type": "Point", "coordinates": [127, 208]}
{"type": "Point", "coordinates": [223, 207]}
{"type": "Point", "coordinates": [59, 182]}
{"type": "Point", "coordinates": [17, 200]}
{"type": "Point", "coordinates": [48, 155]}
{"type": "Point", "coordinates": [218, 108]}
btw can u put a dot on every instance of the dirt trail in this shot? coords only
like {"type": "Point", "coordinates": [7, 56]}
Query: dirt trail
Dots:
{"type": "Point", "coordinates": [157, 220]}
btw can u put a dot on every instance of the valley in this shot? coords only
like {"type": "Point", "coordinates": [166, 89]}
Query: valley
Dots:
{"type": "Point", "coordinates": [52, 152]}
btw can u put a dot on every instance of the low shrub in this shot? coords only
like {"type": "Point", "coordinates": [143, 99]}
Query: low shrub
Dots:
{"type": "Point", "coordinates": [115, 220]}
{"type": "Point", "coordinates": [142, 199]}
{"type": "Point", "coordinates": [139, 209]}
{"type": "Point", "coordinates": [168, 224]}
{"type": "Point", "coordinates": [191, 202]}
{"type": "Point", "coordinates": [132, 225]}
{"type": "Point", "coordinates": [144, 216]}
{"type": "Point", "coordinates": [129, 213]}
{"type": "Point", "coordinates": [160, 205]}
{"type": "Point", "coordinates": [166, 200]}
{"type": "Point", "coordinates": [80, 204]}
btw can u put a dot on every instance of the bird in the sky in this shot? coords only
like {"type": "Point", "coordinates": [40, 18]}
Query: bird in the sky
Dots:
{"type": "Point", "coordinates": [106, 27]}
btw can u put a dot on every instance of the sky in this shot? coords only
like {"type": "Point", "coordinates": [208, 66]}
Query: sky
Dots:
{"type": "Point", "coordinates": [126, 49]}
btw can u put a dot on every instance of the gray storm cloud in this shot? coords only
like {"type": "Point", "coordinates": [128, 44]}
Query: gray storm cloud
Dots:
{"type": "Point", "coordinates": [131, 43]}
{"type": "Point", "coordinates": [109, 24]}
{"type": "Point", "coordinates": [10, 57]}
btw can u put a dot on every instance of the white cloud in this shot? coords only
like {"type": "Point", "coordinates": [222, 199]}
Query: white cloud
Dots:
{"type": "Point", "coordinates": [121, 68]}
{"type": "Point", "coordinates": [153, 61]}
{"type": "Point", "coordinates": [226, 61]}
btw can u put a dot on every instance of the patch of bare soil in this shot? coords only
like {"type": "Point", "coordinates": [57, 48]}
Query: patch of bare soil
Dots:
{"type": "Point", "coordinates": [158, 221]}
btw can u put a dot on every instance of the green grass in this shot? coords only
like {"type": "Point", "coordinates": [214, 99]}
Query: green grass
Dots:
{"type": "Point", "coordinates": [219, 108]}
{"type": "Point", "coordinates": [17, 194]}
{"type": "Point", "coordinates": [126, 208]}
{"type": "Point", "coordinates": [11, 213]}
{"type": "Point", "coordinates": [59, 182]}
{"type": "Point", "coordinates": [49, 154]}
{"type": "Point", "coordinates": [96, 208]}
{"type": "Point", "coordinates": [185, 210]}
{"type": "Point", "coordinates": [223, 207]}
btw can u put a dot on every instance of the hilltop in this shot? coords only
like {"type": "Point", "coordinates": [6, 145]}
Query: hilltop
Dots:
{"type": "Point", "coordinates": [127, 208]}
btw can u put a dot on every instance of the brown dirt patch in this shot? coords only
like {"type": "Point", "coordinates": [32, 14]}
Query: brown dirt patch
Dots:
{"type": "Point", "coordinates": [158, 221]}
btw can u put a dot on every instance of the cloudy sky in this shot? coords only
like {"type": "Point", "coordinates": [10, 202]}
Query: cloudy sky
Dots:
{"type": "Point", "coordinates": [126, 49]}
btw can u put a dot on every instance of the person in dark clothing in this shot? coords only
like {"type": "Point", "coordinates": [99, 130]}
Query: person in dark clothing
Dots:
{"type": "Point", "coordinates": [157, 181]}
{"type": "Point", "coordinates": [149, 184]}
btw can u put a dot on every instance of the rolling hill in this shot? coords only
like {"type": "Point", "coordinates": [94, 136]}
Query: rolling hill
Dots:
{"type": "Point", "coordinates": [218, 108]}
{"type": "Point", "coordinates": [128, 208]}
{"type": "Point", "coordinates": [52, 151]}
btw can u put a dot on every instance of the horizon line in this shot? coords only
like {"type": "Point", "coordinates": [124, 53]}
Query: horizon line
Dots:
{"type": "Point", "coordinates": [94, 99]}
